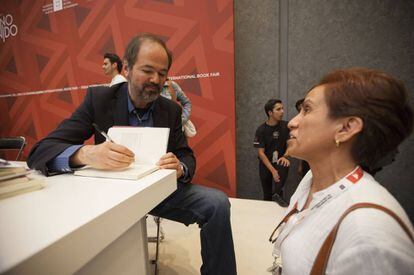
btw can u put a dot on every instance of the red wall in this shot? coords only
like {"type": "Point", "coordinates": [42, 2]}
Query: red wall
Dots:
{"type": "Point", "coordinates": [48, 58]}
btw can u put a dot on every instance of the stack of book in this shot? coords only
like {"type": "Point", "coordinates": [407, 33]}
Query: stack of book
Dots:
{"type": "Point", "coordinates": [17, 180]}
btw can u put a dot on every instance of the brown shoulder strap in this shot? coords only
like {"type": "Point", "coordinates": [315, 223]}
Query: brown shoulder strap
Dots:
{"type": "Point", "coordinates": [172, 91]}
{"type": "Point", "coordinates": [321, 260]}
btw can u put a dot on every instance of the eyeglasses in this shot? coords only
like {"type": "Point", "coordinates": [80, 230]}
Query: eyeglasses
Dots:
{"type": "Point", "coordinates": [272, 237]}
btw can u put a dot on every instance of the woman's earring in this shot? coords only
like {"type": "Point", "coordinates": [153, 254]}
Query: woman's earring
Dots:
{"type": "Point", "coordinates": [337, 142]}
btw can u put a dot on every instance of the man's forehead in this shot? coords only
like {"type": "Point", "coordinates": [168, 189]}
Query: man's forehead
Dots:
{"type": "Point", "coordinates": [152, 54]}
{"type": "Point", "coordinates": [278, 105]}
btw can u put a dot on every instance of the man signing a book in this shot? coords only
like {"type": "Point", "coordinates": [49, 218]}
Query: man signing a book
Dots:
{"type": "Point", "coordinates": [138, 103]}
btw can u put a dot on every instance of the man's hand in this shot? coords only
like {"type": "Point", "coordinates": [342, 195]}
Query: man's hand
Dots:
{"type": "Point", "coordinates": [283, 162]}
{"type": "Point", "coordinates": [106, 155]}
{"type": "Point", "coordinates": [170, 161]}
{"type": "Point", "coordinates": [275, 175]}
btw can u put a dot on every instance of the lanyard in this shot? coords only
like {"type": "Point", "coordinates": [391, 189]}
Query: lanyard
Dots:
{"type": "Point", "coordinates": [284, 228]}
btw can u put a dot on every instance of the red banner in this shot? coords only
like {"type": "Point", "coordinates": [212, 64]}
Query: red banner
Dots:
{"type": "Point", "coordinates": [51, 51]}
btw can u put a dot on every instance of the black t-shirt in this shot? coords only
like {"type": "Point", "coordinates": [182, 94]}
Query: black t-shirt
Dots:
{"type": "Point", "coordinates": [272, 138]}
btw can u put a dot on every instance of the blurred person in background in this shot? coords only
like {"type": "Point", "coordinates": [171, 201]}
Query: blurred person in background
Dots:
{"type": "Point", "coordinates": [173, 91]}
{"type": "Point", "coordinates": [112, 67]}
{"type": "Point", "coordinates": [270, 141]}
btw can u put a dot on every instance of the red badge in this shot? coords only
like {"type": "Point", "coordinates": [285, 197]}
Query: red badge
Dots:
{"type": "Point", "coordinates": [355, 176]}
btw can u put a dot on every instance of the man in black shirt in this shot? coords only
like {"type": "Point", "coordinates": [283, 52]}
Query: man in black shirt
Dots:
{"type": "Point", "coordinates": [270, 140]}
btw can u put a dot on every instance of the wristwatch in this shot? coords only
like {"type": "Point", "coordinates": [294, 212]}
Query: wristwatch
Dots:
{"type": "Point", "coordinates": [182, 169]}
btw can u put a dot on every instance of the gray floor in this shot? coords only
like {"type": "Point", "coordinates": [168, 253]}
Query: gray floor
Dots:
{"type": "Point", "coordinates": [252, 223]}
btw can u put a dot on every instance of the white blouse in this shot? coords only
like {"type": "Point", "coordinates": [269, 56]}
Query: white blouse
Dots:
{"type": "Point", "coordinates": [369, 241]}
{"type": "Point", "coordinates": [119, 78]}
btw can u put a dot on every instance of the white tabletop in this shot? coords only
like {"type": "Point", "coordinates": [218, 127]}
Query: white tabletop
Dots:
{"type": "Point", "coordinates": [70, 209]}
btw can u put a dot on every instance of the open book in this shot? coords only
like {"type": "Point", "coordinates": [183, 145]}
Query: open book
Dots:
{"type": "Point", "coordinates": [148, 144]}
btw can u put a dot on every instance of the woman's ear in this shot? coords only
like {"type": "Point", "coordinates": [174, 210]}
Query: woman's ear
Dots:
{"type": "Point", "coordinates": [349, 127]}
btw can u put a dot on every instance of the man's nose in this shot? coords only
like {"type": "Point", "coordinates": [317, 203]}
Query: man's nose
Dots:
{"type": "Point", "coordinates": [155, 78]}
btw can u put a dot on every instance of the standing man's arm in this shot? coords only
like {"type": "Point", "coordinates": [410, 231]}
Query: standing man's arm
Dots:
{"type": "Point", "coordinates": [259, 143]}
{"type": "Point", "coordinates": [283, 160]}
{"type": "Point", "coordinates": [269, 166]}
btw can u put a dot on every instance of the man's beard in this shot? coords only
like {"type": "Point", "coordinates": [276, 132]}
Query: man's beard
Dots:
{"type": "Point", "coordinates": [148, 93]}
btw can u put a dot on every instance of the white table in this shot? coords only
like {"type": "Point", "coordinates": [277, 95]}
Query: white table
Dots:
{"type": "Point", "coordinates": [81, 225]}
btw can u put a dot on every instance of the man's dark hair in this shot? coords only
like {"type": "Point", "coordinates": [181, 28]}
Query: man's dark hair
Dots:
{"type": "Point", "coordinates": [270, 104]}
{"type": "Point", "coordinates": [134, 45]}
{"type": "Point", "coordinates": [298, 104]}
{"type": "Point", "coordinates": [113, 58]}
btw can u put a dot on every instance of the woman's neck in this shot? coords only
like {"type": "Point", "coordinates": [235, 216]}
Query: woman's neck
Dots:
{"type": "Point", "coordinates": [323, 177]}
{"type": "Point", "coordinates": [327, 172]}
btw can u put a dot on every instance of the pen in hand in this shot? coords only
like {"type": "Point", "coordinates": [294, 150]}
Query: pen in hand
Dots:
{"type": "Point", "coordinates": [102, 132]}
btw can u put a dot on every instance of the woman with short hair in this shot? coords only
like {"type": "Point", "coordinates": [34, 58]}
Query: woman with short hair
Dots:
{"type": "Point", "coordinates": [350, 119]}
